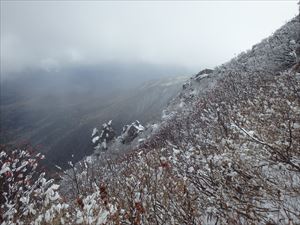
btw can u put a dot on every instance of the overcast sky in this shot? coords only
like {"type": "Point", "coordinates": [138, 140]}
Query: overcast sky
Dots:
{"type": "Point", "coordinates": [194, 34]}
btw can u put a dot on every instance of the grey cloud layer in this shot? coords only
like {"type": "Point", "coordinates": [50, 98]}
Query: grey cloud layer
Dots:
{"type": "Point", "coordinates": [193, 34]}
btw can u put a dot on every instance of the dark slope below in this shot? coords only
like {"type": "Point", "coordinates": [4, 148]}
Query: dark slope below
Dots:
{"type": "Point", "coordinates": [56, 112]}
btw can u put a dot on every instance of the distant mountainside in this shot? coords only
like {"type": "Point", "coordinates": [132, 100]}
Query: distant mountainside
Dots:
{"type": "Point", "coordinates": [56, 114]}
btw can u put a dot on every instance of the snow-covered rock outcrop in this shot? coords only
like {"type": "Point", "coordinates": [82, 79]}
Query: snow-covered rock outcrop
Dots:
{"type": "Point", "coordinates": [101, 139]}
{"type": "Point", "coordinates": [131, 131]}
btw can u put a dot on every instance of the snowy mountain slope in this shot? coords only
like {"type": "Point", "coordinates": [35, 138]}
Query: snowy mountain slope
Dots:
{"type": "Point", "coordinates": [273, 54]}
{"type": "Point", "coordinates": [230, 159]}
{"type": "Point", "coordinates": [229, 154]}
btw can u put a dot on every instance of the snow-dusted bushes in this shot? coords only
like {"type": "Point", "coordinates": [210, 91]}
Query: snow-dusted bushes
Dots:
{"type": "Point", "coordinates": [27, 196]}
{"type": "Point", "coordinates": [231, 158]}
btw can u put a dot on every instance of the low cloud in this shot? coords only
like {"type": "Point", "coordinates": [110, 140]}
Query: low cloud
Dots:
{"type": "Point", "coordinates": [194, 34]}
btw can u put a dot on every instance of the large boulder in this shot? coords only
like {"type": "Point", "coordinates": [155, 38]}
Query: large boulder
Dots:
{"type": "Point", "coordinates": [203, 74]}
{"type": "Point", "coordinates": [131, 131]}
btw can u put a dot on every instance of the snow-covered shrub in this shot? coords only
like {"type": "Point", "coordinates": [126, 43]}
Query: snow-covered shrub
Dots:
{"type": "Point", "coordinates": [27, 196]}
{"type": "Point", "coordinates": [101, 139]}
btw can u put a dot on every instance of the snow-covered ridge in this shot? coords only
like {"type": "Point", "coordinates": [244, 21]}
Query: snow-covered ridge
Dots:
{"type": "Point", "coordinates": [274, 54]}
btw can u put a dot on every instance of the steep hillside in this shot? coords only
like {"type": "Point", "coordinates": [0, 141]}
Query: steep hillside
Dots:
{"type": "Point", "coordinates": [57, 114]}
{"type": "Point", "coordinates": [274, 54]}
{"type": "Point", "coordinates": [226, 152]}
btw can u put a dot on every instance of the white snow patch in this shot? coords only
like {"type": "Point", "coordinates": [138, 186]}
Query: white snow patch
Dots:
{"type": "Point", "coordinates": [95, 139]}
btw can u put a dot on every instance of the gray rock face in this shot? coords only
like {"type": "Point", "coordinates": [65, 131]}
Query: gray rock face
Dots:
{"type": "Point", "coordinates": [203, 74]}
{"type": "Point", "coordinates": [205, 71]}
{"type": "Point", "coordinates": [130, 132]}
